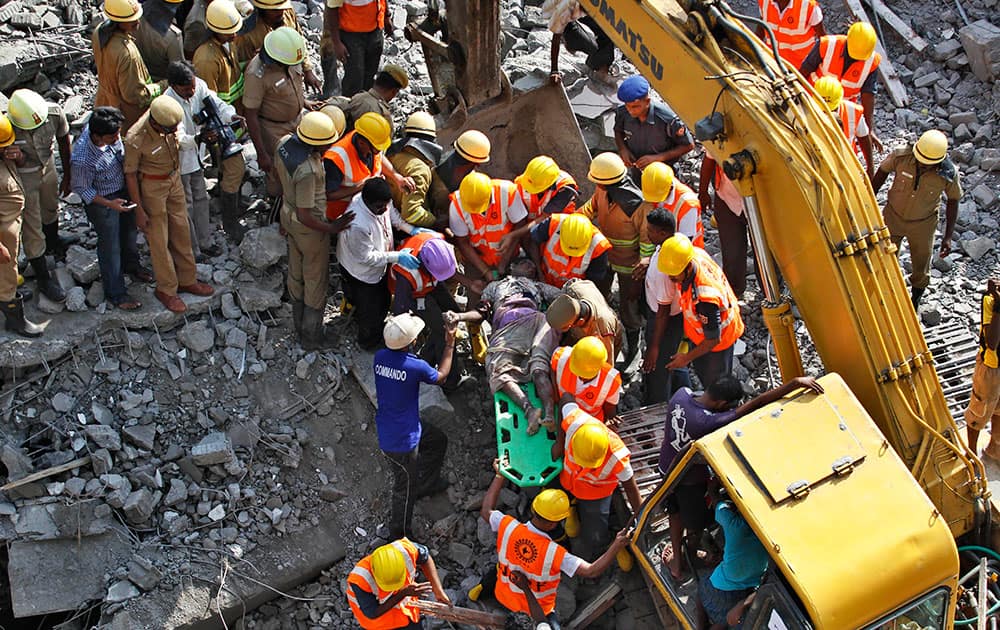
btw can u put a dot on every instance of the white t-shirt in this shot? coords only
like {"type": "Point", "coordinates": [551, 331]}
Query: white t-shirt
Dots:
{"type": "Point", "coordinates": [570, 563]}
{"type": "Point", "coordinates": [660, 289]}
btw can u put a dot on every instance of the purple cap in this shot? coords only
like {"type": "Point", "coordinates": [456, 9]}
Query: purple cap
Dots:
{"type": "Point", "coordinates": [439, 259]}
{"type": "Point", "coordinates": [633, 88]}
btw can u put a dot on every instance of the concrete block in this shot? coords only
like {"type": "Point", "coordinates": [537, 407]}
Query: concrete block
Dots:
{"type": "Point", "coordinates": [214, 448]}
{"type": "Point", "coordinates": [946, 49]}
{"type": "Point", "coordinates": [82, 264]}
{"type": "Point", "coordinates": [197, 336]}
{"type": "Point", "coordinates": [139, 506]}
{"type": "Point", "coordinates": [142, 435]}
{"type": "Point", "coordinates": [263, 247]}
{"type": "Point", "coordinates": [981, 41]}
{"type": "Point", "coordinates": [104, 436]}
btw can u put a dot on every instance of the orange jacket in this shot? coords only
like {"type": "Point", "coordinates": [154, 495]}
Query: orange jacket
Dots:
{"type": "Point", "coordinates": [536, 203]}
{"type": "Point", "coordinates": [791, 28]}
{"type": "Point", "coordinates": [593, 483]}
{"type": "Point", "coordinates": [590, 395]}
{"type": "Point", "coordinates": [831, 51]}
{"type": "Point", "coordinates": [851, 115]}
{"type": "Point", "coordinates": [404, 613]}
{"type": "Point", "coordinates": [345, 156]}
{"type": "Point", "coordinates": [519, 548]}
{"type": "Point", "coordinates": [486, 229]}
{"type": "Point", "coordinates": [420, 279]}
{"type": "Point", "coordinates": [684, 205]}
{"type": "Point", "coordinates": [362, 16]}
{"type": "Point", "coordinates": [557, 266]}
{"type": "Point", "coordinates": [710, 285]}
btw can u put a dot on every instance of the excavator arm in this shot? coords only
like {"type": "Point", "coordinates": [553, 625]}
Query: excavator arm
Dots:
{"type": "Point", "coordinates": [814, 217]}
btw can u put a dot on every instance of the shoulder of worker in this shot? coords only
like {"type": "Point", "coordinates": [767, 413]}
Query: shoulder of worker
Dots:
{"type": "Point", "coordinates": [256, 67]}
{"type": "Point", "coordinates": [136, 135]}
{"type": "Point", "coordinates": [947, 169]}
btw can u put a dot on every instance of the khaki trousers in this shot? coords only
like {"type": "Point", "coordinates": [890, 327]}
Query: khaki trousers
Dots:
{"type": "Point", "coordinates": [167, 234]}
{"type": "Point", "coordinates": [920, 237]}
{"type": "Point", "coordinates": [10, 230]}
{"type": "Point", "coordinates": [308, 262]}
{"type": "Point", "coordinates": [41, 206]}
{"type": "Point", "coordinates": [231, 173]}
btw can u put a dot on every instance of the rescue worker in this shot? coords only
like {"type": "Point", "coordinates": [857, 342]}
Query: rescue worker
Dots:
{"type": "Point", "coordinates": [528, 548]}
{"type": "Point", "coordinates": [663, 190]}
{"type": "Point", "coordinates": [570, 24]}
{"type": "Point", "coordinates": [470, 149]}
{"type": "Point", "coordinates": [267, 17]}
{"type": "Point", "coordinates": [647, 131]}
{"type": "Point", "coordinates": [546, 189]}
{"type": "Point", "coordinates": [581, 311]}
{"type": "Point", "coordinates": [152, 175]}
{"type": "Point", "coordinates": [381, 587]}
{"type": "Point", "coordinates": [726, 204]}
{"type": "Point", "coordinates": [570, 246]}
{"type": "Point", "coordinates": [159, 41]}
{"type": "Point", "coordinates": [122, 78]}
{"type": "Point", "coordinates": [712, 319]}
{"type": "Point", "coordinates": [922, 172]}
{"type": "Point", "coordinates": [796, 24]}
{"type": "Point", "coordinates": [853, 61]}
{"type": "Point", "coordinates": [355, 31]}
{"type": "Point", "coordinates": [389, 82]}
{"type": "Point", "coordinates": [851, 117]}
{"type": "Point", "coordinates": [983, 403]}
{"type": "Point", "coordinates": [38, 125]}
{"type": "Point", "coordinates": [617, 209]}
{"type": "Point", "coordinates": [583, 372]}
{"type": "Point", "coordinates": [274, 96]}
{"type": "Point", "coordinates": [415, 155]}
{"type": "Point", "coordinates": [595, 461]}
{"type": "Point", "coordinates": [11, 205]}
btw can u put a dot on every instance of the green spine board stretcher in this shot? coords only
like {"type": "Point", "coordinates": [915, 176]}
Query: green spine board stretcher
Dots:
{"type": "Point", "coordinates": [525, 460]}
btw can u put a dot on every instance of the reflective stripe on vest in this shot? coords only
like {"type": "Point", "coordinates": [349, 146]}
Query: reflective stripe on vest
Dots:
{"type": "Point", "coordinates": [791, 27]}
{"type": "Point", "coordinates": [589, 395]}
{"type": "Point", "coordinates": [684, 205]}
{"type": "Point", "coordinates": [346, 158]}
{"type": "Point", "coordinates": [521, 549]}
{"type": "Point", "coordinates": [486, 229]}
{"type": "Point", "coordinates": [403, 614]}
{"type": "Point", "coordinates": [591, 483]}
{"type": "Point", "coordinates": [710, 285]}
{"type": "Point", "coordinates": [362, 16]}
{"type": "Point", "coordinates": [536, 203]}
{"type": "Point", "coordinates": [420, 279]}
{"type": "Point", "coordinates": [851, 115]}
{"type": "Point", "coordinates": [235, 91]}
{"type": "Point", "coordinates": [557, 267]}
{"type": "Point", "coordinates": [832, 48]}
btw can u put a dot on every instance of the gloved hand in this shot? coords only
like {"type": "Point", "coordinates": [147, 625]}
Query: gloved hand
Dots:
{"type": "Point", "coordinates": [420, 230]}
{"type": "Point", "coordinates": [408, 260]}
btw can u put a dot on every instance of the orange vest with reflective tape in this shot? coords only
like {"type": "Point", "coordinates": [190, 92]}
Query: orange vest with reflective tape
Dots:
{"type": "Point", "coordinates": [355, 171]}
{"type": "Point", "coordinates": [519, 548]}
{"type": "Point", "coordinates": [592, 483]}
{"type": "Point", "coordinates": [404, 612]}
{"type": "Point", "coordinates": [851, 115]}
{"type": "Point", "coordinates": [831, 51]}
{"type": "Point", "coordinates": [362, 16]}
{"type": "Point", "coordinates": [791, 28]}
{"type": "Point", "coordinates": [591, 396]}
{"type": "Point", "coordinates": [710, 285]}
{"type": "Point", "coordinates": [486, 229]}
{"type": "Point", "coordinates": [684, 205]}
{"type": "Point", "coordinates": [536, 203]}
{"type": "Point", "coordinates": [420, 279]}
{"type": "Point", "coordinates": [557, 266]}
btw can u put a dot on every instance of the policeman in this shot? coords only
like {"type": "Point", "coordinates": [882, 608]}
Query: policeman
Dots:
{"type": "Point", "coordinates": [389, 82]}
{"type": "Point", "coordinates": [469, 151]}
{"type": "Point", "coordinates": [152, 174]}
{"type": "Point", "coordinates": [39, 125]}
{"type": "Point", "coordinates": [583, 372]}
{"type": "Point", "coordinates": [122, 78]}
{"type": "Point", "coordinates": [274, 96]}
{"type": "Point", "coordinates": [159, 41]}
{"type": "Point", "coordinates": [11, 204]}
{"type": "Point", "coordinates": [646, 130]}
{"type": "Point", "coordinates": [414, 156]}
{"type": "Point", "coordinates": [269, 15]}
{"type": "Point", "coordinates": [300, 169]}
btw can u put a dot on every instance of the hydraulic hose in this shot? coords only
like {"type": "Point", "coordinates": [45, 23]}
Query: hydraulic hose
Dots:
{"type": "Point", "coordinates": [996, 606]}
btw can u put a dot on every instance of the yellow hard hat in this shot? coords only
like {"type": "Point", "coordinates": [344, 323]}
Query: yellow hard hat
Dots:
{"type": "Point", "coordinates": [587, 357]}
{"type": "Point", "coordinates": [861, 40]}
{"type": "Point", "coordinates": [223, 17]}
{"type": "Point", "coordinates": [475, 192]}
{"type": "Point", "coordinates": [272, 4]}
{"type": "Point", "coordinates": [285, 45]}
{"type": "Point", "coordinates": [375, 129]}
{"type": "Point", "coordinates": [931, 148]}
{"type": "Point", "coordinates": [336, 115]}
{"type": "Point", "coordinates": [398, 74]}
{"type": "Point", "coordinates": [831, 91]}
{"type": "Point", "coordinates": [389, 568]}
{"type": "Point", "coordinates": [657, 180]}
{"type": "Point", "coordinates": [316, 129]}
{"type": "Point", "coordinates": [675, 254]}
{"type": "Point", "coordinates": [607, 168]}
{"type": "Point", "coordinates": [474, 146]}
{"type": "Point", "coordinates": [166, 111]}
{"type": "Point", "coordinates": [6, 132]}
{"type": "Point", "coordinates": [575, 233]}
{"type": "Point", "coordinates": [122, 10]}
{"type": "Point", "coordinates": [551, 504]}
{"type": "Point", "coordinates": [540, 173]}
{"type": "Point", "coordinates": [422, 123]}
{"type": "Point", "coordinates": [590, 444]}
{"type": "Point", "coordinates": [27, 109]}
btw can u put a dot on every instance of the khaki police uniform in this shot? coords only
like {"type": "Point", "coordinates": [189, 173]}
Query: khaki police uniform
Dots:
{"type": "Point", "coordinates": [158, 51]}
{"type": "Point", "coordinates": [11, 204]}
{"type": "Point", "coordinates": [215, 64]}
{"type": "Point", "coordinates": [277, 92]}
{"type": "Point", "coordinates": [303, 181]}
{"type": "Point", "coordinates": [155, 159]}
{"type": "Point", "coordinates": [414, 207]}
{"type": "Point", "coordinates": [122, 78]}
{"type": "Point", "coordinates": [365, 102]}
{"type": "Point", "coordinates": [38, 176]}
{"type": "Point", "coordinates": [248, 44]}
{"type": "Point", "coordinates": [911, 210]}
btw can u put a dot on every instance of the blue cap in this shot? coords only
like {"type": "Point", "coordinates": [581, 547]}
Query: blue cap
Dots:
{"type": "Point", "coordinates": [633, 88]}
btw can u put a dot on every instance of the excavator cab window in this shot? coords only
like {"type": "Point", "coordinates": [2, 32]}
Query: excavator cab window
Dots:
{"type": "Point", "coordinates": [924, 613]}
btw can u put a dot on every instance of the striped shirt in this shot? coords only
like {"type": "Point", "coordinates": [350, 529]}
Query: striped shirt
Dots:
{"type": "Point", "coordinates": [97, 170]}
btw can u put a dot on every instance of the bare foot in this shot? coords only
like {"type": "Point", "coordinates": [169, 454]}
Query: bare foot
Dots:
{"type": "Point", "coordinates": [534, 416]}
{"type": "Point", "coordinates": [673, 562]}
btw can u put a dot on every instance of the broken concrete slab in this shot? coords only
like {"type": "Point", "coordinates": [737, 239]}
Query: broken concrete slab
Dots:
{"type": "Point", "coordinates": [434, 404]}
{"type": "Point", "coordinates": [981, 40]}
{"type": "Point", "coordinates": [214, 448]}
{"type": "Point", "coordinates": [142, 435]}
{"type": "Point", "coordinates": [263, 247]}
{"type": "Point", "coordinates": [82, 264]}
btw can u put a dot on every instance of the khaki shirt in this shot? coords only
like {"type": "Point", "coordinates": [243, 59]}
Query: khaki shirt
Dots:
{"type": "Point", "coordinates": [159, 50]}
{"type": "Point", "coordinates": [11, 193]}
{"type": "Point", "coordinates": [279, 96]}
{"type": "Point", "coordinates": [217, 67]}
{"type": "Point", "coordinates": [603, 324]}
{"type": "Point", "coordinates": [413, 206]}
{"type": "Point", "coordinates": [150, 153]}
{"type": "Point", "coordinates": [196, 31]}
{"type": "Point", "coordinates": [306, 187]}
{"type": "Point", "coordinates": [249, 44]}
{"type": "Point", "coordinates": [38, 147]}
{"type": "Point", "coordinates": [913, 199]}
{"type": "Point", "coordinates": [365, 102]}
{"type": "Point", "coordinates": [122, 76]}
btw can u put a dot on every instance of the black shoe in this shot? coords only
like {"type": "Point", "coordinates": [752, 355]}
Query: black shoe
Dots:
{"type": "Point", "coordinates": [13, 313]}
{"type": "Point", "coordinates": [434, 488]}
{"type": "Point", "coordinates": [55, 244]}
{"type": "Point", "coordinates": [47, 284]}
{"type": "Point", "coordinates": [915, 295]}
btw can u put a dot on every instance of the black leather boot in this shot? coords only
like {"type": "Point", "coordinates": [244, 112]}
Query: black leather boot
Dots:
{"type": "Point", "coordinates": [47, 284]}
{"type": "Point", "coordinates": [54, 244]}
{"type": "Point", "coordinates": [915, 295]}
{"type": "Point", "coordinates": [230, 203]}
{"type": "Point", "coordinates": [13, 313]}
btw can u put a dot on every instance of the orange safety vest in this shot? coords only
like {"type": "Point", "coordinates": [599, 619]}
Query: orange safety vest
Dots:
{"type": "Point", "coordinates": [791, 28]}
{"type": "Point", "coordinates": [589, 484]}
{"type": "Point", "coordinates": [589, 395]}
{"type": "Point", "coordinates": [404, 613]}
{"type": "Point", "coordinates": [420, 279]}
{"type": "Point", "coordinates": [831, 50]}
{"type": "Point", "coordinates": [684, 205]}
{"type": "Point", "coordinates": [362, 16]}
{"type": "Point", "coordinates": [558, 267]}
{"type": "Point", "coordinates": [710, 285]}
{"type": "Point", "coordinates": [486, 229]}
{"type": "Point", "coordinates": [536, 203]}
{"type": "Point", "coordinates": [851, 115]}
{"type": "Point", "coordinates": [520, 548]}
{"type": "Point", "coordinates": [355, 171]}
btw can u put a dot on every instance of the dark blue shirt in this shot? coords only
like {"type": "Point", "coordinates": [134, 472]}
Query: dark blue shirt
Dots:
{"type": "Point", "coordinates": [687, 421]}
{"type": "Point", "coordinates": [398, 376]}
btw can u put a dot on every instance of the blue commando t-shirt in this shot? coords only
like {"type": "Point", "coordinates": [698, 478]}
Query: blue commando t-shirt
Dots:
{"type": "Point", "coordinates": [398, 376]}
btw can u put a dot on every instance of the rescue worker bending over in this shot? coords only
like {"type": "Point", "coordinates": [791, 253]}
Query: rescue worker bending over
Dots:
{"type": "Point", "coordinates": [389, 82]}
{"type": "Point", "coordinates": [851, 117]}
{"type": "Point", "coordinates": [469, 151]}
{"type": "Point", "coordinates": [546, 189]}
{"type": "Point", "coordinates": [570, 247]}
{"type": "Point", "coordinates": [583, 372]}
{"type": "Point", "coordinates": [581, 311]}
{"type": "Point", "coordinates": [414, 156]}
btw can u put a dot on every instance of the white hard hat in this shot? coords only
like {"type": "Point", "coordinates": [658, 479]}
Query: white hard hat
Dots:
{"type": "Point", "coordinates": [401, 330]}
{"type": "Point", "coordinates": [543, 626]}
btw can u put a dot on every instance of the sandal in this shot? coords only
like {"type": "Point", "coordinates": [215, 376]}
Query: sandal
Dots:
{"type": "Point", "coordinates": [128, 304]}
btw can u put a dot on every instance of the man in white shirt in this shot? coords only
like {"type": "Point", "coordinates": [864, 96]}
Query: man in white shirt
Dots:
{"type": "Point", "coordinates": [365, 251]}
{"type": "Point", "coordinates": [190, 92]}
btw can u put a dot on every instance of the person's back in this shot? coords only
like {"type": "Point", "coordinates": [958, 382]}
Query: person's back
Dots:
{"type": "Point", "coordinates": [744, 559]}
{"type": "Point", "coordinates": [398, 375]}
{"type": "Point", "coordinates": [689, 419]}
